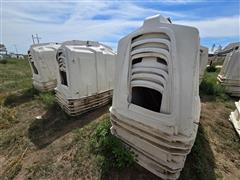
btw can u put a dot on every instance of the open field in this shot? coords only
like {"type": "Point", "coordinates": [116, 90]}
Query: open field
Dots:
{"type": "Point", "coordinates": [57, 146]}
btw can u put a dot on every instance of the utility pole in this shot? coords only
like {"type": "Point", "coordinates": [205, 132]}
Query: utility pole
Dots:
{"type": "Point", "coordinates": [16, 49]}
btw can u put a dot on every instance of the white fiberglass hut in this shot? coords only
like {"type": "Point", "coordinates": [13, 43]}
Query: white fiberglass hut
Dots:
{"type": "Point", "coordinates": [229, 75]}
{"type": "Point", "coordinates": [42, 59]}
{"type": "Point", "coordinates": [156, 104]}
{"type": "Point", "coordinates": [86, 75]}
{"type": "Point", "coordinates": [203, 61]}
{"type": "Point", "coordinates": [235, 117]}
{"type": "Point", "coordinates": [230, 47]}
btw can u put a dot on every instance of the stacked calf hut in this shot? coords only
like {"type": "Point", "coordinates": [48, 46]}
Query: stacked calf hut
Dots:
{"type": "Point", "coordinates": [156, 104]}
{"type": "Point", "coordinates": [42, 59]}
{"type": "Point", "coordinates": [229, 75]}
{"type": "Point", "coordinates": [203, 61]}
{"type": "Point", "coordinates": [86, 74]}
{"type": "Point", "coordinates": [235, 117]}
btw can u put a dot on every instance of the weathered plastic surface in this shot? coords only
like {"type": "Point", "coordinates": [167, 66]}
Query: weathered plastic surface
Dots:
{"type": "Point", "coordinates": [160, 60]}
{"type": "Point", "coordinates": [42, 59]}
{"type": "Point", "coordinates": [203, 61]}
{"type": "Point", "coordinates": [79, 106]}
{"type": "Point", "coordinates": [229, 75]}
{"type": "Point", "coordinates": [230, 46]}
{"type": "Point", "coordinates": [235, 118]}
{"type": "Point", "coordinates": [86, 70]}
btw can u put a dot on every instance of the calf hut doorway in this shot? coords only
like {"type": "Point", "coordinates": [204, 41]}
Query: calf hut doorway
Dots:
{"type": "Point", "coordinates": [63, 76]}
{"type": "Point", "coordinates": [147, 98]}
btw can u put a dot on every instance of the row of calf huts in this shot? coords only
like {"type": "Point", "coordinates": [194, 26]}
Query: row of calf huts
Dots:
{"type": "Point", "coordinates": [153, 79]}
{"type": "Point", "coordinates": [81, 72]}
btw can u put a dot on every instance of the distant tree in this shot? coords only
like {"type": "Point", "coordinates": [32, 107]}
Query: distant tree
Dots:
{"type": "Point", "coordinates": [3, 49]}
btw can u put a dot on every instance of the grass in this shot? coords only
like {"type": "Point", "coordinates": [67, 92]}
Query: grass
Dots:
{"type": "Point", "coordinates": [40, 170]}
{"type": "Point", "coordinates": [218, 131]}
{"type": "Point", "coordinates": [110, 150]}
{"type": "Point", "coordinates": [211, 69]}
{"type": "Point", "coordinates": [17, 100]}
{"type": "Point", "coordinates": [15, 75]}
{"type": "Point", "coordinates": [57, 146]}
{"type": "Point", "coordinates": [210, 87]}
{"type": "Point", "coordinates": [200, 162]}
{"type": "Point", "coordinates": [48, 99]}
{"type": "Point", "coordinates": [7, 116]}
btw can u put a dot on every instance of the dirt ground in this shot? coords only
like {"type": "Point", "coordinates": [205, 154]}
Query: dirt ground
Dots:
{"type": "Point", "coordinates": [56, 146]}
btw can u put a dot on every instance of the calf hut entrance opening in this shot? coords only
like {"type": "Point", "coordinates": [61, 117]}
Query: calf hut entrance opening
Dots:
{"type": "Point", "coordinates": [63, 76]}
{"type": "Point", "coordinates": [147, 98]}
{"type": "Point", "coordinates": [34, 67]}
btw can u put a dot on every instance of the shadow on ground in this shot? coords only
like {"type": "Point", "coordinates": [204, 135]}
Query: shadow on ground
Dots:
{"type": "Point", "coordinates": [208, 98]}
{"type": "Point", "coordinates": [200, 162]}
{"type": "Point", "coordinates": [20, 97]}
{"type": "Point", "coordinates": [55, 124]}
{"type": "Point", "coordinates": [131, 173]}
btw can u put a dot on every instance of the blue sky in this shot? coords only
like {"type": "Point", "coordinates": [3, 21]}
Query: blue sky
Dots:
{"type": "Point", "coordinates": [108, 21]}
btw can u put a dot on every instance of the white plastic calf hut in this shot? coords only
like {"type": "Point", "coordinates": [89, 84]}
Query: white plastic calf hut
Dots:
{"type": "Point", "coordinates": [203, 61]}
{"type": "Point", "coordinates": [235, 117]}
{"type": "Point", "coordinates": [156, 105]}
{"type": "Point", "coordinates": [86, 70]}
{"type": "Point", "coordinates": [42, 59]}
{"type": "Point", "coordinates": [229, 75]}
